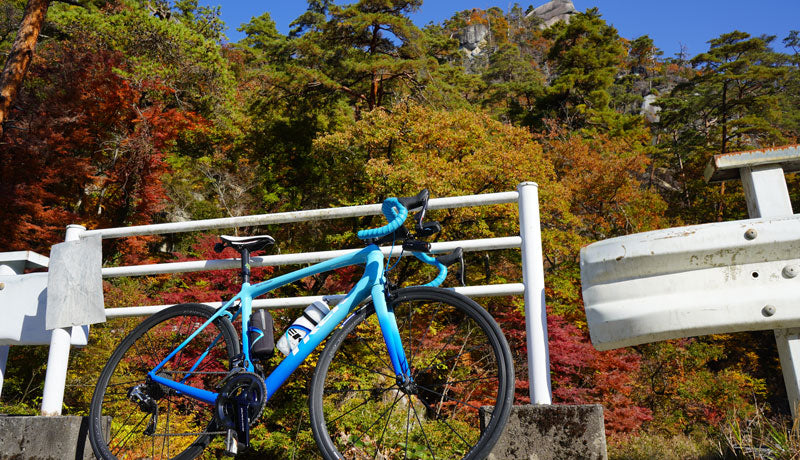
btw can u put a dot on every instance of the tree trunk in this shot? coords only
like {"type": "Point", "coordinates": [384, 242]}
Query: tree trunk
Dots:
{"type": "Point", "coordinates": [21, 55]}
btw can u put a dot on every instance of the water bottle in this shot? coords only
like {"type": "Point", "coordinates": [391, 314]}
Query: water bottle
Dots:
{"type": "Point", "coordinates": [312, 315]}
{"type": "Point", "coordinates": [262, 343]}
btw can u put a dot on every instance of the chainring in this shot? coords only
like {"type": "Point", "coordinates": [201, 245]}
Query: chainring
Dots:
{"type": "Point", "coordinates": [236, 385]}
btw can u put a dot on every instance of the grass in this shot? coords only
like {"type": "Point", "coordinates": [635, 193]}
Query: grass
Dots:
{"type": "Point", "coordinates": [647, 446]}
{"type": "Point", "coordinates": [756, 436]}
{"type": "Point", "coordinates": [761, 437]}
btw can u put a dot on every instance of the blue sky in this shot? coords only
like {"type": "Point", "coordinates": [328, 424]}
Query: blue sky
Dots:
{"type": "Point", "coordinates": [669, 23]}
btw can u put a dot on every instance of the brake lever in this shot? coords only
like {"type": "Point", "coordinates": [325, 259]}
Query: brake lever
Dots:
{"type": "Point", "coordinates": [427, 229]}
{"type": "Point", "coordinates": [453, 257]}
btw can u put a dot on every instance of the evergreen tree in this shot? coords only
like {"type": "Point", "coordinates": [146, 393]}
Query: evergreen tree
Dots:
{"type": "Point", "coordinates": [585, 56]}
{"type": "Point", "coordinates": [515, 83]}
{"type": "Point", "coordinates": [367, 51]}
{"type": "Point", "coordinates": [790, 100]}
{"type": "Point", "coordinates": [731, 103]}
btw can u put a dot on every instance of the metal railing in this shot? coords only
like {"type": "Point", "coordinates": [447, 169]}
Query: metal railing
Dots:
{"type": "Point", "coordinates": [529, 241]}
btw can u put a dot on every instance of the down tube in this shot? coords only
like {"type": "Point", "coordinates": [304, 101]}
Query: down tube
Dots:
{"type": "Point", "coordinates": [372, 277]}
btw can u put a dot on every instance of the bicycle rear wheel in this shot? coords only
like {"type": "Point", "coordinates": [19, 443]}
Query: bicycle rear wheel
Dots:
{"type": "Point", "coordinates": [460, 363]}
{"type": "Point", "coordinates": [149, 420]}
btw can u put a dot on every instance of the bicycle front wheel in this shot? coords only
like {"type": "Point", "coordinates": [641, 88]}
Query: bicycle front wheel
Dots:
{"type": "Point", "coordinates": [460, 363]}
{"type": "Point", "coordinates": [149, 420]}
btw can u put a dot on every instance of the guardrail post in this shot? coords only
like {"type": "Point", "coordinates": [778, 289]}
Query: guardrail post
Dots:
{"type": "Point", "coordinates": [533, 279]}
{"type": "Point", "coordinates": [767, 196]}
{"type": "Point", "coordinates": [762, 173]}
{"type": "Point", "coordinates": [58, 356]}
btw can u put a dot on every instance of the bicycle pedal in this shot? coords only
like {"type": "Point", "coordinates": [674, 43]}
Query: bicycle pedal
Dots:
{"type": "Point", "coordinates": [231, 443]}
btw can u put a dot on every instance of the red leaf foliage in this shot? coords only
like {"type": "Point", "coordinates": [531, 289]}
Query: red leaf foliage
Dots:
{"type": "Point", "coordinates": [579, 373]}
{"type": "Point", "coordinates": [207, 286]}
{"type": "Point", "coordinates": [83, 145]}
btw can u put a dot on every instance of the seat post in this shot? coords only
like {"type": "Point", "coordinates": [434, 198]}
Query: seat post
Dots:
{"type": "Point", "coordinates": [245, 265]}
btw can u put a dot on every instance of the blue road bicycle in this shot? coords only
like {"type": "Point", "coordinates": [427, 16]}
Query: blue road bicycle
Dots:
{"type": "Point", "coordinates": [417, 372]}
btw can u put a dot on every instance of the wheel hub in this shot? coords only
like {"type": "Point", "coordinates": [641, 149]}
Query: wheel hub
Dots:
{"type": "Point", "coordinates": [407, 386]}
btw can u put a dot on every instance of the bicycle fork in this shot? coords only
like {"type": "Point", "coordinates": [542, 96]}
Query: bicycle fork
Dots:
{"type": "Point", "coordinates": [390, 332]}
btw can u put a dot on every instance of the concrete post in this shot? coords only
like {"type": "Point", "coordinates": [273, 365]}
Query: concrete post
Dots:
{"type": "Point", "coordinates": [58, 357]}
{"type": "Point", "coordinates": [767, 196]}
{"type": "Point", "coordinates": [533, 278]}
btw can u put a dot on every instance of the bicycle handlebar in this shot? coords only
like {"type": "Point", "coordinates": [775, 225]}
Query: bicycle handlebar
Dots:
{"type": "Point", "coordinates": [431, 261]}
{"type": "Point", "coordinates": [395, 213]}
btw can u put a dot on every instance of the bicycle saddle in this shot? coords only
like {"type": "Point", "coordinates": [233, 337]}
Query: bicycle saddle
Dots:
{"type": "Point", "coordinates": [251, 243]}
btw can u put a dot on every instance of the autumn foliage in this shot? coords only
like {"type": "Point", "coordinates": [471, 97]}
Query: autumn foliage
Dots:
{"type": "Point", "coordinates": [86, 147]}
{"type": "Point", "coordinates": [135, 112]}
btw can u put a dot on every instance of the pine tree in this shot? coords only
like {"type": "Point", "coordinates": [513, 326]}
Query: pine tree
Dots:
{"type": "Point", "coordinates": [733, 102]}
{"type": "Point", "coordinates": [585, 56]}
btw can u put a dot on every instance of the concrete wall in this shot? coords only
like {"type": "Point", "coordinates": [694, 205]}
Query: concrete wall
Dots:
{"type": "Point", "coordinates": [553, 432]}
{"type": "Point", "coordinates": [45, 438]}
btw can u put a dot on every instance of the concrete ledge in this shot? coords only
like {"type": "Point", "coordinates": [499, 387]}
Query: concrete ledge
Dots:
{"type": "Point", "coordinates": [557, 432]}
{"type": "Point", "coordinates": [45, 438]}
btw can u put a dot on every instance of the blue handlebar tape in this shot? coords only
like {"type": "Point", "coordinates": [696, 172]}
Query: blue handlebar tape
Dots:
{"type": "Point", "coordinates": [395, 213]}
{"type": "Point", "coordinates": [431, 261]}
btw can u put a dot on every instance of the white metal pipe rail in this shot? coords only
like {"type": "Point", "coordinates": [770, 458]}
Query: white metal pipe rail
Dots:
{"type": "Point", "coordinates": [486, 244]}
{"type": "Point", "coordinates": [296, 216]}
{"type": "Point", "coordinates": [529, 241]}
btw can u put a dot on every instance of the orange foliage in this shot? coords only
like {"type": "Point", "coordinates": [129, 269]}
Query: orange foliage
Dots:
{"type": "Point", "coordinates": [91, 147]}
{"type": "Point", "coordinates": [477, 16]}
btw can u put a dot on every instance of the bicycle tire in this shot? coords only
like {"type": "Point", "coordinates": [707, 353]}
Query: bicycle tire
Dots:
{"type": "Point", "coordinates": [354, 394]}
{"type": "Point", "coordinates": [184, 426]}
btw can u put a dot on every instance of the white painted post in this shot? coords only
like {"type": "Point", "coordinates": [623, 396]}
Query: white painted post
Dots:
{"type": "Point", "coordinates": [58, 357]}
{"type": "Point", "coordinates": [767, 196]}
{"type": "Point", "coordinates": [4, 270]}
{"type": "Point", "coordinates": [533, 278]}
{"type": "Point", "coordinates": [3, 360]}
{"type": "Point", "coordinates": [765, 191]}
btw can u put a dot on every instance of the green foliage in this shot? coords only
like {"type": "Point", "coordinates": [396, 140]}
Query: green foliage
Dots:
{"type": "Point", "coordinates": [586, 55]}
{"type": "Point", "coordinates": [731, 103]}
{"type": "Point", "coordinates": [514, 82]}
{"type": "Point", "coordinates": [758, 434]}
{"type": "Point", "coordinates": [186, 62]}
{"type": "Point", "coordinates": [647, 446]}
{"type": "Point", "coordinates": [687, 387]}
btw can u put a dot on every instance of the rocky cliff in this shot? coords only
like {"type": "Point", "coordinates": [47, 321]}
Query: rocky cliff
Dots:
{"type": "Point", "coordinates": [554, 11]}
{"type": "Point", "coordinates": [475, 38]}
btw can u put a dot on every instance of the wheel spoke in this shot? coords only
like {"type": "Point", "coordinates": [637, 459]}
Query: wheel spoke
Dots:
{"type": "Point", "coordinates": [365, 342]}
{"type": "Point", "coordinates": [376, 420]}
{"type": "Point", "coordinates": [132, 430]}
{"type": "Point", "coordinates": [351, 362]}
{"type": "Point", "coordinates": [448, 397]}
{"type": "Point", "coordinates": [408, 417]}
{"type": "Point", "coordinates": [388, 418]}
{"type": "Point", "coordinates": [448, 425]}
{"type": "Point", "coordinates": [149, 343]}
{"type": "Point", "coordinates": [422, 428]}
{"type": "Point", "coordinates": [360, 405]}
{"type": "Point", "coordinates": [456, 355]}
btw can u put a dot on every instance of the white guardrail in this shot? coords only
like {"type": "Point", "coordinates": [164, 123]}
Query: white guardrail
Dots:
{"type": "Point", "coordinates": [529, 241]}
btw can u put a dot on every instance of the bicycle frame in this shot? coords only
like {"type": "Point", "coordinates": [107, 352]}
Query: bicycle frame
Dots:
{"type": "Point", "coordinates": [371, 283]}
